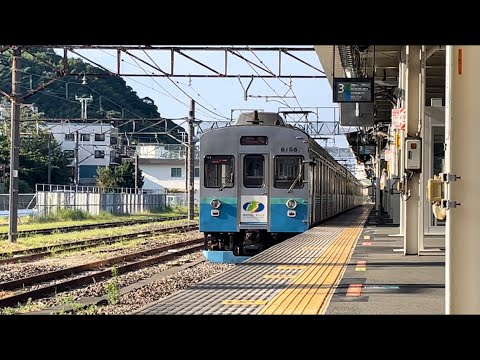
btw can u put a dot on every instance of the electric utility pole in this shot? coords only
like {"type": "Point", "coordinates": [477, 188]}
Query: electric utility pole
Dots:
{"type": "Point", "coordinates": [76, 175]}
{"type": "Point", "coordinates": [191, 161]}
{"type": "Point", "coordinates": [15, 146]}
{"type": "Point", "coordinates": [49, 167]}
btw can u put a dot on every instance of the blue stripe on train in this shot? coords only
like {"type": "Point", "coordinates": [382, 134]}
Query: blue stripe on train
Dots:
{"type": "Point", "coordinates": [227, 221]}
{"type": "Point", "coordinates": [280, 222]}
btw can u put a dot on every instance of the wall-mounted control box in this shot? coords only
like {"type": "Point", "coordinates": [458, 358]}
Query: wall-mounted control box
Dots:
{"type": "Point", "coordinates": [413, 154]}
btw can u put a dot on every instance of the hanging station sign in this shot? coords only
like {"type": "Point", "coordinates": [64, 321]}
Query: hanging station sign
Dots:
{"type": "Point", "coordinates": [352, 90]}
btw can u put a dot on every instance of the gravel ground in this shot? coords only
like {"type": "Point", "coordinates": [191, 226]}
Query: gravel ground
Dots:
{"type": "Point", "coordinates": [11, 272]}
{"type": "Point", "coordinates": [140, 297]}
{"type": "Point", "coordinates": [137, 298]}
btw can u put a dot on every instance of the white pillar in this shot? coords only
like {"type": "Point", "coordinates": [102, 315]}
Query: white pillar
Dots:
{"type": "Point", "coordinates": [424, 149]}
{"type": "Point", "coordinates": [412, 100]}
{"type": "Point", "coordinates": [378, 173]}
{"type": "Point", "coordinates": [403, 69]}
{"type": "Point", "coordinates": [462, 126]}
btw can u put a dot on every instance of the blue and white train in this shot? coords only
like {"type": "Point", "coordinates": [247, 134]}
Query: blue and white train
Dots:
{"type": "Point", "coordinates": [263, 181]}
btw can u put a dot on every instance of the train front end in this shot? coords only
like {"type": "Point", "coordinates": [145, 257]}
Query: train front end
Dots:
{"type": "Point", "coordinates": [252, 189]}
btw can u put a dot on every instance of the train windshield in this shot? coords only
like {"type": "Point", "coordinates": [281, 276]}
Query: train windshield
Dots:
{"type": "Point", "coordinates": [253, 171]}
{"type": "Point", "coordinates": [219, 171]}
{"type": "Point", "coordinates": [287, 170]}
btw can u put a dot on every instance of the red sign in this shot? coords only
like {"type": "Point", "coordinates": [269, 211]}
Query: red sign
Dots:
{"type": "Point", "coordinates": [399, 117]}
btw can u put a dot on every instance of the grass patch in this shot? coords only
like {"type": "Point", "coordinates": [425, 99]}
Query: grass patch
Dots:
{"type": "Point", "coordinates": [55, 239]}
{"type": "Point", "coordinates": [63, 215]}
{"type": "Point", "coordinates": [78, 217]}
{"type": "Point", "coordinates": [91, 310]}
{"type": "Point", "coordinates": [112, 288]}
{"type": "Point", "coordinates": [180, 209]}
{"type": "Point", "coordinates": [28, 307]}
{"type": "Point", "coordinates": [69, 304]}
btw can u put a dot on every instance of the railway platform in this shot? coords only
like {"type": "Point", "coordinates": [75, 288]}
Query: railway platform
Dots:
{"type": "Point", "coordinates": [348, 265]}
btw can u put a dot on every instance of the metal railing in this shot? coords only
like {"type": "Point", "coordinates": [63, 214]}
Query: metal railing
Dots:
{"type": "Point", "coordinates": [92, 189]}
{"type": "Point", "coordinates": [163, 151]}
{"type": "Point", "coordinates": [25, 201]}
{"type": "Point", "coordinates": [94, 199]}
{"type": "Point", "coordinates": [179, 199]}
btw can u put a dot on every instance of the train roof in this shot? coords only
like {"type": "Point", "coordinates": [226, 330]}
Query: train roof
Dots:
{"type": "Point", "coordinates": [260, 118]}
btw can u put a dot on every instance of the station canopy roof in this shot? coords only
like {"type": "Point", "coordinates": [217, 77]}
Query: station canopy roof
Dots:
{"type": "Point", "coordinates": [380, 62]}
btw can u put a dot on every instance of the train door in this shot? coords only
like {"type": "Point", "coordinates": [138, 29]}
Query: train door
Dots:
{"type": "Point", "coordinates": [320, 190]}
{"type": "Point", "coordinates": [253, 191]}
{"type": "Point", "coordinates": [323, 191]}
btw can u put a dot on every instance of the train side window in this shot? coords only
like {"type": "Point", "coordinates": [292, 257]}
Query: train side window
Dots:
{"type": "Point", "coordinates": [253, 172]}
{"type": "Point", "coordinates": [287, 170]}
{"type": "Point", "coordinates": [219, 171]}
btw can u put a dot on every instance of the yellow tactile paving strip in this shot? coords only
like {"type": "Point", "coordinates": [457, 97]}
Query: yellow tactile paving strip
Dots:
{"type": "Point", "coordinates": [309, 293]}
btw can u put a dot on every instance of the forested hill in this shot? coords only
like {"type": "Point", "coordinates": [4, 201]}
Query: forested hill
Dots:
{"type": "Point", "coordinates": [112, 97]}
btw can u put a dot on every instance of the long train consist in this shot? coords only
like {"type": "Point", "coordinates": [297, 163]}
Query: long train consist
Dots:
{"type": "Point", "coordinates": [263, 181]}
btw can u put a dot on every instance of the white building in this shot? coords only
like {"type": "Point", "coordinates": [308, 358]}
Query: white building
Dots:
{"type": "Point", "coordinates": [96, 143]}
{"type": "Point", "coordinates": [163, 167]}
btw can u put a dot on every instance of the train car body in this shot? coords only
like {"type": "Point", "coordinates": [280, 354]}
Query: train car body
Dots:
{"type": "Point", "coordinates": [262, 181]}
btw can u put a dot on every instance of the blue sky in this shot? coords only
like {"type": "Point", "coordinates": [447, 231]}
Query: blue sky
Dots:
{"type": "Point", "coordinates": [221, 95]}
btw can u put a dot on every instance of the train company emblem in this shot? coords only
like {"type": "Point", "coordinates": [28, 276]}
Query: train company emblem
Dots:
{"type": "Point", "coordinates": [253, 206]}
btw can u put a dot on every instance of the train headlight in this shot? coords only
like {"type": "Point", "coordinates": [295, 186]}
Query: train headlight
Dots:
{"type": "Point", "coordinates": [291, 204]}
{"type": "Point", "coordinates": [215, 203]}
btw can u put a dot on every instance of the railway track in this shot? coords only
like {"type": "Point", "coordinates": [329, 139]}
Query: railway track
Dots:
{"type": "Point", "coordinates": [44, 251]}
{"type": "Point", "coordinates": [64, 229]}
{"type": "Point", "coordinates": [130, 262]}
{"type": "Point", "coordinates": [133, 289]}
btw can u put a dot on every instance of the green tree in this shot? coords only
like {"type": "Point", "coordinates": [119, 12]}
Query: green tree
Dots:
{"type": "Point", "coordinates": [106, 177]}
{"type": "Point", "coordinates": [126, 175]}
{"type": "Point", "coordinates": [120, 176]}
{"type": "Point", "coordinates": [23, 186]}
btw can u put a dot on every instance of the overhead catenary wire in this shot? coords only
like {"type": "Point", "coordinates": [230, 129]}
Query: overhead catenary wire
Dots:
{"type": "Point", "coordinates": [173, 97]}
{"type": "Point", "coordinates": [97, 121]}
{"type": "Point", "coordinates": [156, 90]}
{"type": "Point", "coordinates": [95, 91]}
{"type": "Point", "coordinates": [62, 98]}
{"type": "Point", "coordinates": [198, 94]}
{"type": "Point", "coordinates": [284, 102]}
{"type": "Point", "coordinates": [47, 92]}
{"type": "Point", "coordinates": [167, 93]}
{"type": "Point", "coordinates": [289, 86]}
{"type": "Point", "coordinates": [173, 82]}
{"type": "Point", "coordinates": [187, 85]}
{"type": "Point", "coordinates": [266, 66]}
